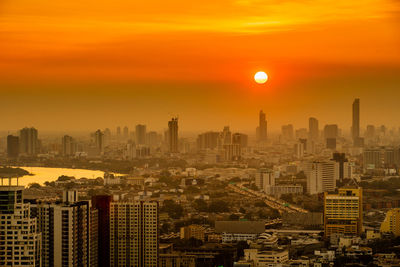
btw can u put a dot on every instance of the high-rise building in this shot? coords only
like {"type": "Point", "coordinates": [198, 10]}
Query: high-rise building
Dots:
{"type": "Point", "coordinates": [355, 128]}
{"type": "Point", "coordinates": [118, 132]}
{"type": "Point", "coordinates": [173, 135]}
{"type": "Point", "coordinates": [287, 132]}
{"type": "Point", "coordinates": [331, 143]}
{"type": "Point", "coordinates": [313, 129]}
{"type": "Point", "coordinates": [66, 232]}
{"type": "Point", "coordinates": [343, 212]}
{"type": "Point", "coordinates": [68, 145]}
{"type": "Point", "coordinates": [321, 176]}
{"type": "Point", "coordinates": [372, 158]}
{"type": "Point", "coordinates": [331, 131]}
{"type": "Point", "coordinates": [240, 139]}
{"type": "Point", "coordinates": [264, 179]}
{"type": "Point", "coordinates": [140, 134]}
{"type": "Point", "coordinates": [208, 140]}
{"type": "Point", "coordinates": [134, 233]}
{"type": "Point", "coordinates": [99, 141]}
{"type": "Point", "coordinates": [232, 152]}
{"type": "Point", "coordinates": [370, 132]}
{"type": "Point", "coordinates": [20, 240]}
{"type": "Point", "coordinates": [262, 127]}
{"type": "Point", "coordinates": [391, 224]}
{"type": "Point", "coordinates": [345, 170]}
{"type": "Point", "coordinates": [102, 204]}
{"type": "Point", "coordinates": [126, 132]}
{"type": "Point", "coordinates": [298, 149]}
{"type": "Point", "coordinates": [12, 146]}
{"type": "Point", "coordinates": [28, 141]}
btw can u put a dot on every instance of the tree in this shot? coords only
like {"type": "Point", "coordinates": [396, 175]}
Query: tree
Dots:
{"type": "Point", "coordinates": [234, 217]}
{"type": "Point", "coordinates": [35, 185]}
{"type": "Point", "coordinates": [174, 210]}
{"type": "Point", "coordinates": [200, 205]}
{"type": "Point", "coordinates": [219, 206]}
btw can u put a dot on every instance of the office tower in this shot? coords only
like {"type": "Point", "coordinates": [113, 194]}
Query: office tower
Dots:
{"type": "Point", "coordinates": [355, 128]}
{"type": "Point", "coordinates": [372, 158]}
{"type": "Point", "coordinates": [173, 135]}
{"type": "Point", "coordinates": [262, 127]}
{"type": "Point", "coordinates": [232, 152]}
{"type": "Point", "coordinates": [343, 212]}
{"type": "Point", "coordinates": [68, 146]}
{"type": "Point", "coordinates": [331, 143]}
{"type": "Point", "coordinates": [28, 141]}
{"type": "Point", "coordinates": [134, 234]}
{"type": "Point", "coordinates": [301, 133]}
{"type": "Point", "coordinates": [321, 176]}
{"type": "Point", "coordinates": [126, 133]}
{"type": "Point", "coordinates": [66, 232]}
{"type": "Point", "coordinates": [287, 132]}
{"type": "Point", "coordinates": [391, 224]}
{"type": "Point", "coordinates": [118, 132]}
{"type": "Point", "coordinates": [370, 132]}
{"type": "Point", "coordinates": [240, 139]}
{"type": "Point", "coordinates": [142, 151]}
{"type": "Point", "coordinates": [264, 179]}
{"type": "Point", "coordinates": [140, 133]}
{"type": "Point", "coordinates": [102, 204]}
{"type": "Point", "coordinates": [12, 146]}
{"type": "Point", "coordinates": [331, 131]}
{"type": "Point", "coordinates": [226, 136]}
{"type": "Point", "coordinates": [313, 129]}
{"type": "Point", "coordinates": [99, 141]}
{"type": "Point", "coordinates": [208, 140]}
{"type": "Point", "coordinates": [298, 150]}
{"type": "Point", "coordinates": [152, 139]}
{"type": "Point", "coordinates": [345, 171]}
{"type": "Point", "coordinates": [20, 240]}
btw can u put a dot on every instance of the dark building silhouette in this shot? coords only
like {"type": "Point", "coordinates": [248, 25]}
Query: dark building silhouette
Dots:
{"type": "Point", "coordinates": [102, 204]}
{"type": "Point", "coordinates": [341, 159]}
{"type": "Point", "coordinates": [12, 146]}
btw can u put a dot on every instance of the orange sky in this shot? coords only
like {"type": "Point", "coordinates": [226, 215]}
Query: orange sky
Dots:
{"type": "Point", "coordinates": [126, 62]}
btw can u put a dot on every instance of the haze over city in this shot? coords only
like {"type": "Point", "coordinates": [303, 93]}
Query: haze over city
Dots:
{"type": "Point", "coordinates": [213, 133]}
{"type": "Point", "coordinates": [123, 62]}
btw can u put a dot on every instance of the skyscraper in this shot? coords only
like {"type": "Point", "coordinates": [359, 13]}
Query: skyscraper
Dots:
{"type": "Point", "coordinates": [321, 176]}
{"type": "Point", "coordinates": [99, 141]}
{"type": "Point", "coordinates": [12, 146]}
{"type": "Point", "coordinates": [20, 240]}
{"type": "Point", "coordinates": [65, 232]}
{"type": "Point", "coordinates": [68, 145]}
{"type": "Point", "coordinates": [331, 131]}
{"type": "Point", "coordinates": [355, 128]}
{"type": "Point", "coordinates": [313, 129]}
{"type": "Point", "coordinates": [134, 230]}
{"type": "Point", "coordinates": [28, 141]}
{"type": "Point", "coordinates": [287, 132]}
{"type": "Point", "coordinates": [343, 212]}
{"type": "Point", "coordinates": [102, 204]}
{"type": "Point", "coordinates": [262, 127]}
{"type": "Point", "coordinates": [173, 135]}
{"type": "Point", "coordinates": [140, 134]}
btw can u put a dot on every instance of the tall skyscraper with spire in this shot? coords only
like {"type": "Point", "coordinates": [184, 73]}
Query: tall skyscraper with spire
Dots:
{"type": "Point", "coordinates": [262, 127]}
{"type": "Point", "coordinates": [355, 128]}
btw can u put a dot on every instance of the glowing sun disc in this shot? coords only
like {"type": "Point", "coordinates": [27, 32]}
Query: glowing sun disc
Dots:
{"type": "Point", "coordinates": [261, 77]}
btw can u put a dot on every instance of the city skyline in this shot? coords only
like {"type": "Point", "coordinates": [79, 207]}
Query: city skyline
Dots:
{"type": "Point", "coordinates": [60, 62]}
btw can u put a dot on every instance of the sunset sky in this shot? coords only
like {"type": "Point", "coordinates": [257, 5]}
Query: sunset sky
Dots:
{"type": "Point", "coordinates": [93, 64]}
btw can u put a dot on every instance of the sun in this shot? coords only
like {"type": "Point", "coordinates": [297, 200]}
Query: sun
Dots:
{"type": "Point", "coordinates": [261, 77]}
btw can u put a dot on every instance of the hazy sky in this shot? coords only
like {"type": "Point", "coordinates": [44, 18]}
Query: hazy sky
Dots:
{"type": "Point", "coordinates": [93, 64]}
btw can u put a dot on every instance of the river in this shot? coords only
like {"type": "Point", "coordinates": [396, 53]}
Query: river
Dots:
{"type": "Point", "coordinates": [43, 174]}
